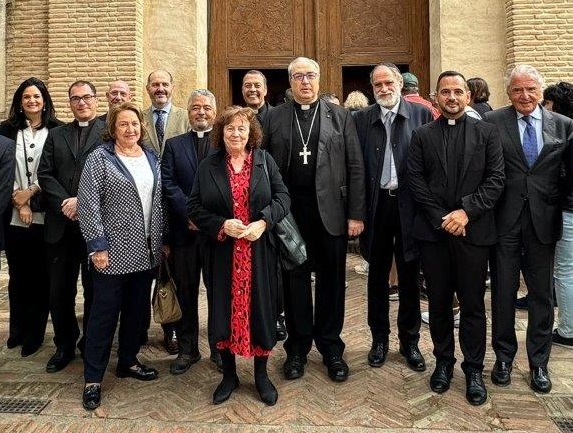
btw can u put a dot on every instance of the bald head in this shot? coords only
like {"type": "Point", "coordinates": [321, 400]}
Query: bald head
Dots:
{"type": "Point", "coordinates": [117, 93]}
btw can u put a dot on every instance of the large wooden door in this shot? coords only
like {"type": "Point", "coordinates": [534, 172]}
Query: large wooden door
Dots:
{"type": "Point", "coordinates": [347, 38]}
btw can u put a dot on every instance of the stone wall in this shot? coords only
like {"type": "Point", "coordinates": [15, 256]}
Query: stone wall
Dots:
{"type": "Point", "coordinates": [540, 33]}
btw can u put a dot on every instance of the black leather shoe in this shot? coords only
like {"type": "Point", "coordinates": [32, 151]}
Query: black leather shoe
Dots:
{"type": "Point", "coordinates": [501, 373]}
{"type": "Point", "coordinates": [293, 368]}
{"type": "Point", "coordinates": [183, 362]}
{"type": "Point", "coordinates": [170, 342]}
{"type": "Point", "coordinates": [540, 381]}
{"type": "Point", "coordinates": [413, 356]}
{"type": "Point", "coordinates": [441, 377]}
{"type": "Point", "coordinates": [29, 349]}
{"type": "Point", "coordinates": [267, 391]}
{"type": "Point", "coordinates": [138, 371]}
{"type": "Point", "coordinates": [225, 389]}
{"type": "Point", "coordinates": [476, 394]}
{"type": "Point", "coordinates": [59, 361]}
{"type": "Point", "coordinates": [216, 359]}
{"type": "Point", "coordinates": [281, 328]}
{"type": "Point", "coordinates": [377, 354]}
{"type": "Point", "coordinates": [337, 368]}
{"type": "Point", "coordinates": [91, 397]}
{"type": "Point", "coordinates": [13, 342]}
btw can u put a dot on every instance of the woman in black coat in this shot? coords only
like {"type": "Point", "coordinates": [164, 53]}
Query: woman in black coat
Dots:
{"type": "Point", "coordinates": [235, 204]}
{"type": "Point", "coordinates": [31, 116]}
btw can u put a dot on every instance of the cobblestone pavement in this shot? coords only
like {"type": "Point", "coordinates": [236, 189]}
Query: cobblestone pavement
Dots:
{"type": "Point", "coordinates": [389, 399]}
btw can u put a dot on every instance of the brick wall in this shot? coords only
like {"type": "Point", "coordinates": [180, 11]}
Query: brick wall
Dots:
{"type": "Point", "coordinates": [61, 41]}
{"type": "Point", "coordinates": [540, 33]}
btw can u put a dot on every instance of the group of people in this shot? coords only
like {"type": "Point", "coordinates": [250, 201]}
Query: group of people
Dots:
{"type": "Point", "coordinates": [120, 195]}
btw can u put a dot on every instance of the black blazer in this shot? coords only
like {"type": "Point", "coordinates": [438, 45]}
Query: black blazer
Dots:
{"type": "Point", "coordinates": [210, 204]}
{"type": "Point", "coordinates": [372, 136]}
{"type": "Point", "coordinates": [479, 185]}
{"type": "Point", "coordinates": [7, 170]}
{"type": "Point", "coordinates": [178, 168]}
{"type": "Point", "coordinates": [339, 167]}
{"type": "Point", "coordinates": [59, 172]}
{"type": "Point", "coordinates": [538, 185]}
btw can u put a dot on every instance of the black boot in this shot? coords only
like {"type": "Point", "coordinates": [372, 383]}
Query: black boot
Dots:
{"type": "Point", "coordinates": [265, 387]}
{"type": "Point", "coordinates": [230, 380]}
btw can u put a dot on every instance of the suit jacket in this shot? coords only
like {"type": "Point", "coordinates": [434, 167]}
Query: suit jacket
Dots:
{"type": "Point", "coordinates": [110, 213]}
{"type": "Point", "coordinates": [372, 136]}
{"type": "Point", "coordinates": [178, 168]}
{"type": "Point", "coordinates": [479, 182]}
{"type": "Point", "coordinates": [59, 172]}
{"type": "Point", "coordinates": [210, 205]}
{"type": "Point", "coordinates": [7, 171]}
{"type": "Point", "coordinates": [538, 185]}
{"type": "Point", "coordinates": [177, 123]}
{"type": "Point", "coordinates": [339, 166]}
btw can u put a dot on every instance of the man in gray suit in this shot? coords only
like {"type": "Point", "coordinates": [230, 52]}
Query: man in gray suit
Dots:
{"type": "Point", "coordinates": [163, 119]}
{"type": "Point", "coordinates": [317, 150]}
{"type": "Point", "coordinates": [528, 219]}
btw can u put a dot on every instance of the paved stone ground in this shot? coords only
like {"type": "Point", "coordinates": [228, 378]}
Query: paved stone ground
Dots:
{"type": "Point", "coordinates": [389, 399]}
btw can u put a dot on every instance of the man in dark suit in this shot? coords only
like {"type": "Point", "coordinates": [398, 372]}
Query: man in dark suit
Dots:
{"type": "Point", "coordinates": [318, 153]}
{"type": "Point", "coordinates": [59, 171]}
{"type": "Point", "coordinates": [181, 157]}
{"type": "Point", "coordinates": [528, 218]}
{"type": "Point", "coordinates": [254, 92]}
{"type": "Point", "coordinates": [456, 176]}
{"type": "Point", "coordinates": [385, 130]}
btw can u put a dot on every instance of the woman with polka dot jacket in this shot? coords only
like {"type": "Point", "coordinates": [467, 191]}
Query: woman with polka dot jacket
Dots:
{"type": "Point", "coordinates": [121, 219]}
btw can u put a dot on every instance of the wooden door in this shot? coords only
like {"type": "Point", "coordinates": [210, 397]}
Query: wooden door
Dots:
{"type": "Point", "coordinates": [347, 38]}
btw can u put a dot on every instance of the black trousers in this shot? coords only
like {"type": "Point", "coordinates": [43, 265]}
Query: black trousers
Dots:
{"type": "Point", "coordinates": [65, 258]}
{"type": "Point", "coordinates": [521, 249]}
{"type": "Point", "coordinates": [386, 243]}
{"type": "Point", "coordinates": [186, 272]}
{"type": "Point", "coordinates": [115, 294]}
{"type": "Point", "coordinates": [453, 266]}
{"type": "Point", "coordinates": [327, 258]}
{"type": "Point", "coordinates": [29, 285]}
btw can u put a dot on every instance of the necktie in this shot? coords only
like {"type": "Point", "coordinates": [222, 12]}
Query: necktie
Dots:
{"type": "Point", "coordinates": [387, 167]}
{"type": "Point", "coordinates": [529, 141]}
{"type": "Point", "coordinates": [160, 126]}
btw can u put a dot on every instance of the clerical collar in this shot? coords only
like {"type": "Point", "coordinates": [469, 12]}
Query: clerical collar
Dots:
{"type": "Point", "coordinates": [305, 107]}
{"type": "Point", "coordinates": [201, 134]}
{"type": "Point", "coordinates": [83, 124]}
{"type": "Point", "coordinates": [453, 122]}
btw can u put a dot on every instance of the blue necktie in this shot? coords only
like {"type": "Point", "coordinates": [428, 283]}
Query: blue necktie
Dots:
{"type": "Point", "coordinates": [529, 141]}
{"type": "Point", "coordinates": [160, 126]}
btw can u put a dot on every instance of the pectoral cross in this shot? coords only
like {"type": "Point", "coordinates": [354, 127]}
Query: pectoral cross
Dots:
{"type": "Point", "coordinates": [305, 153]}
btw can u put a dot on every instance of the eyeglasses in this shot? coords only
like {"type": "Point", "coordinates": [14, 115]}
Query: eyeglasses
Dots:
{"type": "Point", "coordinates": [86, 98]}
{"type": "Point", "coordinates": [299, 76]}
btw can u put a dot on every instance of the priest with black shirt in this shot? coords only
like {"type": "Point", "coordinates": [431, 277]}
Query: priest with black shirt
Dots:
{"type": "Point", "coordinates": [181, 157]}
{"type": "Point", "coordinates": [59, 171]}
{"type": "Point", "coordinates": [317, 150]}
{"type": "Point", "coordinates": [456, 176]}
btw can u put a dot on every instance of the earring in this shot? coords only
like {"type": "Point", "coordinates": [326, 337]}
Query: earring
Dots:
{"type": "Point", "coordinates": [44, 109]}
{"type": "Point", "coordinates": [21, 110]}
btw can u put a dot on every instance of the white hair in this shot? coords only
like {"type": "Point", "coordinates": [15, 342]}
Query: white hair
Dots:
{"type": "Point", "coordinates": [523, 69]}
{"type": "Point", "coordinates": [311, 62]}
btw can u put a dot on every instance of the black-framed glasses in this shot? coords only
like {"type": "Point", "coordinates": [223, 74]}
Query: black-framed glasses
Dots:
{"type": "Point", "coordinates": [86, 98]}
{"type": "Point", "coordinates": [299, 76]}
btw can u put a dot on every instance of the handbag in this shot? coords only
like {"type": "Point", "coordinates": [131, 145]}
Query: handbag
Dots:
{"type": "Point", "coordinates": [292, 248]}
{"type": "Point", "coordinates": [166, 307]}
{"type": "Point", "coordinates": [37, 201]}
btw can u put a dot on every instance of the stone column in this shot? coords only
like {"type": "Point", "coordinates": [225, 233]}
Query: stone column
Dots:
{"type": "Point", "coordinates": [469, 37]}
{"type": "Point", "coordinates": [175, 39]}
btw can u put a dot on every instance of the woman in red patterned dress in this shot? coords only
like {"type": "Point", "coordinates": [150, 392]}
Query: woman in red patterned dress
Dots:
{"type": "Point", "coordinates": [235, 205]}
